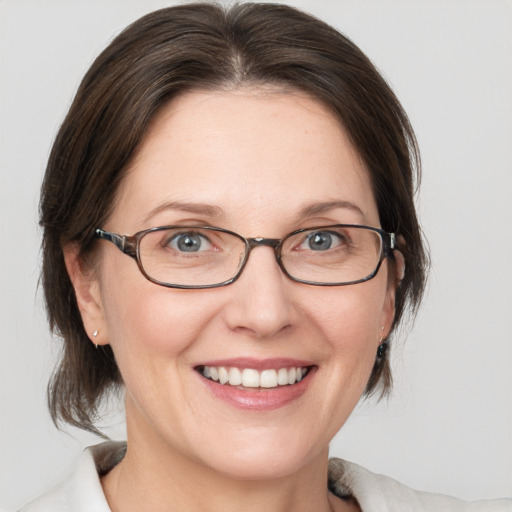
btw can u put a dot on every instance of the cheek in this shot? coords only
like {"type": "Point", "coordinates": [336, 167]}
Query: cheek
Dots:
{"type": "Point", "coordinates": [351, 316]}
{"type": "Point", "coordinates": [347, 323]}
{"type": "Point", "coordinates": [144, 319]}
{"type": "Point", "coordinates": [350, 320]}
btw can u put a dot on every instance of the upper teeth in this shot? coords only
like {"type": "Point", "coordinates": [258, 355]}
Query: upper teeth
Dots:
{"type": "Point", "coordinates": [250, 378]}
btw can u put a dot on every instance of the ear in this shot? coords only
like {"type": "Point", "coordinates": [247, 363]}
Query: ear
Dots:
{"type": "Point", "coordinates": [396, 275]}
{"type": "Point", "coordinates": [399, 267]}
{"type": "Point", "coordinates": [88, 296]}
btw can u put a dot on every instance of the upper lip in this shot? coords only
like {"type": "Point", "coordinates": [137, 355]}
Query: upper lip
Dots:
{"type": "Point", "coordinates": [257, 364]}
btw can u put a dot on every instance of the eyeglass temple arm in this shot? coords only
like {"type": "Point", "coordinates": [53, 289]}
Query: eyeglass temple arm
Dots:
{"type": "Point", "coordinates": [124, 243]}
{"type": "Point", "coordinates": [389, 243]}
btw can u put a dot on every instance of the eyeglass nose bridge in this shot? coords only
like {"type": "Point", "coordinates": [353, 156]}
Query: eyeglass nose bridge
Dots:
{"type": "Point", "coordinates": [270, 242]}
{"type": "Point", "coordinates": [274, 243]}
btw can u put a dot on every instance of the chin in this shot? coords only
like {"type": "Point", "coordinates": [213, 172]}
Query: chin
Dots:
{"type": "Point", "coordinates": [263, 457]}
{"type": "Point", "coordinates": [277, 466]}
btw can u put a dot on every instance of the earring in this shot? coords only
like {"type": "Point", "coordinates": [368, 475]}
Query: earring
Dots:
{"type": "Point", "coordinates": [95, 334]}
{"type": "Point", "coordinates": [381, 351]}
{"type": "Point", "coordinates": [383, 346]}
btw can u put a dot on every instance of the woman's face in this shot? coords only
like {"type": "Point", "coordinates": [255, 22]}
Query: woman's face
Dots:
{"type": "Point", "coordinates": [261, 164]}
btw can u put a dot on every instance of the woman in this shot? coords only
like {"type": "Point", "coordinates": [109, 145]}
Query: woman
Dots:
{"type": "Point", "coordinates": [229, 233]}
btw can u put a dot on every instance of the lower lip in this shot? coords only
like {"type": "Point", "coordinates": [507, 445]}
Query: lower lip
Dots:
{"type": "Point", "coordinates": [259, 399]}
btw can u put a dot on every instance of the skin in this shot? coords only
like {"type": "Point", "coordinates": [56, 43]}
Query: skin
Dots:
{"type": "Point", "coordinates": [261, 157]}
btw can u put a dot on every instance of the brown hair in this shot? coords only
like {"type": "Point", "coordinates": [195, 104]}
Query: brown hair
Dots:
{"type": "Point", "coordinates": [206, 46]}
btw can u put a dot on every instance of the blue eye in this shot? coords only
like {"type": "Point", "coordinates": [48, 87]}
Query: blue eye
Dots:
{"type": "Point", "coordinates": [322, 241]}
{"type": "Point", "coordinates": [189, 242]}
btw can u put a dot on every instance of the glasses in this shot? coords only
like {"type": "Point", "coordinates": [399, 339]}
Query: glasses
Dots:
{"type": "Point", "coordinates": [208, 257]}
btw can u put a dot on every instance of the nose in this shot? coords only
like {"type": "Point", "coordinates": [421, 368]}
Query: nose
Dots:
{"type": "Point", "coordinates": [261, 304]}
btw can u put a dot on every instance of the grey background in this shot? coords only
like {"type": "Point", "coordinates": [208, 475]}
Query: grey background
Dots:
{"type": "Point", "coordinates": [447, 427]}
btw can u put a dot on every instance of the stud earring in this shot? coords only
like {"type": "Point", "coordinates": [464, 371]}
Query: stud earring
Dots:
{"type": "Point", "coordinates": [95, 334]}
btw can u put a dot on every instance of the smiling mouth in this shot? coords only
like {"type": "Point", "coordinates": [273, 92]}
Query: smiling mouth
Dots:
{"type": "Point", "coordinates": [249, 378]}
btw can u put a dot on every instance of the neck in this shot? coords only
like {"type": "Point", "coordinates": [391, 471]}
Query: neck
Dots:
{"type": "Point", "coordinates": [158, 474]}
{"type": "Point", "coordinates": [155, 478]}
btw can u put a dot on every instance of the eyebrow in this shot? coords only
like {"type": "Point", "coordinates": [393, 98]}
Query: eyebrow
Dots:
{"type": "Point", "coordinates": [216, 212]}
{"type": "Point", "coordinates": [197, 208]}
{"type": "Point", "coordinates": [317, 208]}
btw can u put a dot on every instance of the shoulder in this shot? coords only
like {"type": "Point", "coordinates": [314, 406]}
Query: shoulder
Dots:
{"type": "Point", "coordinates": [379, 493]}
{"type": "Point", "coordinates": [81, 491]}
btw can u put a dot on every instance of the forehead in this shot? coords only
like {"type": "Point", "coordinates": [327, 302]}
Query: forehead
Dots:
{"type": "Point", "coordinates": [252, 154]}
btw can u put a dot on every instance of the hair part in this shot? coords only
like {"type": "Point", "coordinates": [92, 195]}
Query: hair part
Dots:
{"type": "Point", "coordinates": [206, 46]}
